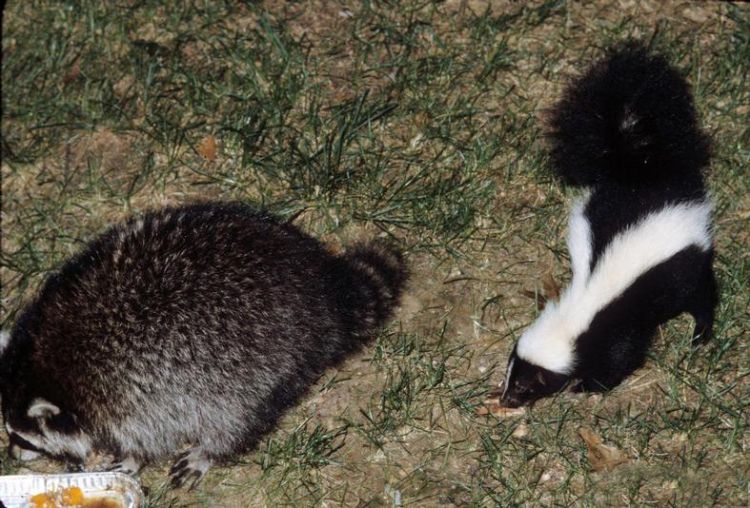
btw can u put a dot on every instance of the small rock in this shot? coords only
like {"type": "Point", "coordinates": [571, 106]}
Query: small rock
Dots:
{"type": "Point", "coordinates": [521, 431]}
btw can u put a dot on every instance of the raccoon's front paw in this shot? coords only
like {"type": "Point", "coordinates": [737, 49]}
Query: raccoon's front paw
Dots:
{"type": "Point", "coordinates": [190, 466]}
{"type": "Point", "coordinates": [128, 465]}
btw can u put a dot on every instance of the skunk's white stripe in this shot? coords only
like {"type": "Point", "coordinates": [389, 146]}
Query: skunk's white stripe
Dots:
{"type": "Point", "coordinates": [580, 243]}
{"type": "Point", "coordinates": [660, 235]}
{"type": "Point", "coordinates": [4, 340]}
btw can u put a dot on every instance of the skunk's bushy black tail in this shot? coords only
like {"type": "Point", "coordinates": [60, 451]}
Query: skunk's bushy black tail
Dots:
{"type": "Point", "coordinates": [629, 118]}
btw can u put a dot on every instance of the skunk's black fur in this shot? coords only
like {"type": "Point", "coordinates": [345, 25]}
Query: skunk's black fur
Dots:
{"type": "Point", "coordinates": [630, 118]}
{"type": "Point", "coordinates": [626, 130]}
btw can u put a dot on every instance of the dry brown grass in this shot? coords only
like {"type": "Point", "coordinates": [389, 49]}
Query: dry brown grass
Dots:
{"type": "Point", "coordinates": [421, 121]}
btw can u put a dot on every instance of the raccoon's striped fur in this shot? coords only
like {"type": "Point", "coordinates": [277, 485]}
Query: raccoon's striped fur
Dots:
{"type": "Point", "coordinates": [189, 326]}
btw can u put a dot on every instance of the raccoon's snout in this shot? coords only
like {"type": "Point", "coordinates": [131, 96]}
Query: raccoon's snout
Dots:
{"type": "Point", "coordinates": [20, 449]}
{"type": "Point", "coordinates": [22, 454]}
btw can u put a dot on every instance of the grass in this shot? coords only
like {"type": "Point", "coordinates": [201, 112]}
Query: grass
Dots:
{"type": "Point", "coordinates": [421, 121]}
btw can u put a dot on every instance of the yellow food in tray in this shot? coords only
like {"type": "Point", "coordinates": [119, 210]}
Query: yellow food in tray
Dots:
{"type": "Point", "coordinates": [70, 497]}
{"type": "Point", "coordinates": [43, 500]}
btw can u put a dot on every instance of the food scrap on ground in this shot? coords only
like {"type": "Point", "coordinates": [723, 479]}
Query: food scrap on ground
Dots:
{"type": "Point", "coordinates": [602, 457]}
{"type": "Point", "coordinates": [494, 408]}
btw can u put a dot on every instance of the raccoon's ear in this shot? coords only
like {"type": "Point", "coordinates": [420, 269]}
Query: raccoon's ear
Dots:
{"type": "Point", "coordinates": [41, 408]}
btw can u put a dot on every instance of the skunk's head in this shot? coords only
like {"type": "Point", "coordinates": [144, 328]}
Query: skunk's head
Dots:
{"type": "Point", "coordinates": [526, 382]}
{"type": "Point", "coordinates": [543, 359]}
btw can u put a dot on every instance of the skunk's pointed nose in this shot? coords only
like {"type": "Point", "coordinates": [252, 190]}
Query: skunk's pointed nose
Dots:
{"type": "Point", "coordinates": [510, 401]}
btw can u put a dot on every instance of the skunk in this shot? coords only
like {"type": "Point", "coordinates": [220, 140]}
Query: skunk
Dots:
{"type": "Point", "coordinates": [640, 238]}
{"type": "Point", "coordinates": [196, 327]}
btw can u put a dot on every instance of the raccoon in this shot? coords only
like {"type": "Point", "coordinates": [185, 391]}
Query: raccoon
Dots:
{"type": "Point", "coordinates": [192, 326]}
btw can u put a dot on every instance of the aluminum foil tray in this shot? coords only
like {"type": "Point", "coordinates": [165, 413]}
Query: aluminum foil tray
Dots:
{"type": "Point", "coordinates": [15, 491]}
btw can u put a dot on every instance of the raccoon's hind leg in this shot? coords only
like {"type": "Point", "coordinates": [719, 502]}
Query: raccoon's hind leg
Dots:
{"type": "Point", "coordinates": [190, 466]}
{"type": "Point", "coordinates": [703, 307]}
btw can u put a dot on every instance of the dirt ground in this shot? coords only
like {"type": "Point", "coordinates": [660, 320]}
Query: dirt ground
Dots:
{"type": "Point", "coordinates": [418, 121]}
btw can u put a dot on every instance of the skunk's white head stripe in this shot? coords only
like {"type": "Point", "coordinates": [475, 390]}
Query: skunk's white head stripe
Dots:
{"type": "Point", "coordinates": [4, 341]}
{"type": "Point", "coordinates": [580, 243]}
{"type": "Point", "coordinates": [657, 237]}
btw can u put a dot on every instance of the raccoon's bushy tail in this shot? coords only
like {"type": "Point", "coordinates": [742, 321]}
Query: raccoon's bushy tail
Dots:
{"type": "Point", "coordinates": [629, 118]}
{"type": "Point", "coordinates": [377, 274]}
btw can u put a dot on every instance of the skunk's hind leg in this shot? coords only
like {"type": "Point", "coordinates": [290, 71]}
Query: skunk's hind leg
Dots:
{"type": "Point", "coordinates": [703, 307]}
